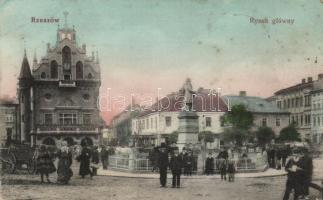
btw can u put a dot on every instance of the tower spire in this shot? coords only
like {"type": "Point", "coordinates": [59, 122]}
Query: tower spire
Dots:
{"type": "Point", "coordinates": [65, 18]}
{"type": "Point", "coordinates": [97, 57]}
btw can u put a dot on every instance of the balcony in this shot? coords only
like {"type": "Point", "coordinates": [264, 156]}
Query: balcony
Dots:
{"type": "Point", "coordinates": [57, 129]}
{"type": "Point", "coordinates": [67, 83]}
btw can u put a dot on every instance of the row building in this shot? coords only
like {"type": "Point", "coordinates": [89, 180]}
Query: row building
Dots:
{"type": "Point", "coordinates": [305, 104]}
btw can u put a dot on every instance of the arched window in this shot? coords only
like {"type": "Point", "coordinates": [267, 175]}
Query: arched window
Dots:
{"type": "Point", "coordinates": [79, 70]}
{"type": "Point", "coordinates": [49, 141]}
{"type": "Point", "coordinates": [66, 58]}
{"type": "Point", "coordinates": [86, 141]}
{"type": "Point", "coordinates": [53, 69]}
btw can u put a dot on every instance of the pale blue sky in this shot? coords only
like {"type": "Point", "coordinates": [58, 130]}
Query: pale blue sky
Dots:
{"type": "Point", "coordinates": [146, 44]}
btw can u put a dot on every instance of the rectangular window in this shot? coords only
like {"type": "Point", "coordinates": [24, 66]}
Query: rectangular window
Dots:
{"type": "Point", "coordinates": [277, 121]}
{"type": "Point", "coordinates": [48, 118]}
{"type": "Point", "coordinates": [67, 118]}
{"type": "Point", "coordinates": [67, 77]}
{"type": "Point", "coordinates": [87, 119]}
{"type": "Point", "coordinates": [208, 121]}
{"type": "Point", "coordinates": [168, 121]}
{"type": "Point", "coordinates": [264, 122]}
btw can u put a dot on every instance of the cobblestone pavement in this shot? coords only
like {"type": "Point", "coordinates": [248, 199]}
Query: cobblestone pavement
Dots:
{"type": "Point", "coordinates": [25, 187]}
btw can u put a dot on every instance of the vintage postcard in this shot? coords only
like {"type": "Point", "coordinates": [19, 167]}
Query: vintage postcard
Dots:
{"type": "Point", "coordinates": [161, 99]}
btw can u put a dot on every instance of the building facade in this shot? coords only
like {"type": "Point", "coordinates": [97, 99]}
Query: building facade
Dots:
{"type": "Point", "coordinates": [156, 123]}
{"type": "Point", "coordinates": [317, 110]}
{"type": "Point", "coordinates": [58, 98]}
{"type": "Point", "coordinates": [297, 100]}
{"type": "Point", "coordinates": [265, 114]}
{"type": "Point", "coordinates": [9, 127]}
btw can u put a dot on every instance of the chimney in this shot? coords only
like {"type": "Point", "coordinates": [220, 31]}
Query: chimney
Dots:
{"type": "Point", "coordinates": [320, 77]}
{"type": "Point", "coordinates": [242, 93]}
{"type": "Point", "coordinates": [309, 79]}
{"type": "Point", "coordinates": [303, 80]}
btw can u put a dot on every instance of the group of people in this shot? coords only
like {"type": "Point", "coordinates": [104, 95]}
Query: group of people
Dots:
{"type": "Point", "coordinates": [224, 164]}
{"type": "Point", "coordinates": [178, 163]}
{"type": "Point", "coordinates": [277, 156]}
{"type": "Point", "coordinates": [45, 163]}
{"type": "Point", "coordinates": [187, 161]}
{"type": "Point", "coordinates": [299, 168]}
{"type": "Point", "coordinates": [89, 158]}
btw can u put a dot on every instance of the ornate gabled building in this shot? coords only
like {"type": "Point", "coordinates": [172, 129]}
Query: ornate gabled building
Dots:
{"type": "Point", "coordinates": [58, 98]}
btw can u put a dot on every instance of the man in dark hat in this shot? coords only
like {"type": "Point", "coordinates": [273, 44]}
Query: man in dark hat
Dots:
{"type": "Point", "coordinates": [163, 164]}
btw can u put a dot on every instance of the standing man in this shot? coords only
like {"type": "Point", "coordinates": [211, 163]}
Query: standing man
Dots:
{"type": "Point", "coordinates": [307, 165]}
{"type": "Point", "coordinates": [294, 176]}
{"type": "Point", "coordinates": [104, 157]}
{"type": "Point", "coordinates": [175, 165]}
{"type": "Point", "coordinates": [163, 164]}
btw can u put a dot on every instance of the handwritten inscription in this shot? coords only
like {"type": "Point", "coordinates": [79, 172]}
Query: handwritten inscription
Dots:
{"type": "Point", "coordinates": [273, 21]}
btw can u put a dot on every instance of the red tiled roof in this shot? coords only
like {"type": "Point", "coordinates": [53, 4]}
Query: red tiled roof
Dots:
{"type": "Point", "coordinates": [203, 102]}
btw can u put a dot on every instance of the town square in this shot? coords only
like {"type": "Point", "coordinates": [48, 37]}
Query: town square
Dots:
{"type": "Point", "coordinates": [199, 99]}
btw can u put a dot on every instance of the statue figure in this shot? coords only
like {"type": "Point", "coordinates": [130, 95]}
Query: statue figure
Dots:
{"type": "Point", "coordinates": [188, 92]}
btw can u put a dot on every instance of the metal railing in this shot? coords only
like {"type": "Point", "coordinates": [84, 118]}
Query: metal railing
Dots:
{"type": "Point", "coordinates": [124, 163]}
{"type": "Point", "coordinates": [145, 165]}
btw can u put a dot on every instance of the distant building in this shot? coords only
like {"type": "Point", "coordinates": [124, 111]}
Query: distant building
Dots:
{"type": "Point", "coordinates": [156, 123]}
{"type": "Point", "coordinates": [296, 99]}
{"type": "Point", "coordinates": [121, 125]}
{"type": "Point", "coordinates": [107, 135]}
{"type": "Point", "coordinates": [317, 110]}
{"type": "Point", "coordinates": [265, 114]}
{"type": "Point", "coordinates": [9, 127]}
{"type": "Point", "coordinates": [58, 98]}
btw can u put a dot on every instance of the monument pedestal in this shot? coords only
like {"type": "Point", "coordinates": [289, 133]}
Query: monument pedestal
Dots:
{"type": "Point", "coordinates": [188, 129]}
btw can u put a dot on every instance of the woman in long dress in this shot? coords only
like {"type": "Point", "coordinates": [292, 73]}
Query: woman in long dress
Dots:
{"type": "Point", "coordinates": [64, 172]}
{"type": "Point", "coordinates": [84, 160]}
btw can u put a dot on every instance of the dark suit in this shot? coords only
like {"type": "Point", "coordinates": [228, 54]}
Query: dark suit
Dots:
{"type": "Point", "coordinates": [163, 165]}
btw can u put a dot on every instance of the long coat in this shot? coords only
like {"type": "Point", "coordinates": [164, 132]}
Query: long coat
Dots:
{"type": "Point", "coordinates": [64, 171]}
{"type": "Point", "coordinates": [84, 159]}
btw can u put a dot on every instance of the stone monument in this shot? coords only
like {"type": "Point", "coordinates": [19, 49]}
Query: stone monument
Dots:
{"type": "Point", "coordinates": [188, 119]}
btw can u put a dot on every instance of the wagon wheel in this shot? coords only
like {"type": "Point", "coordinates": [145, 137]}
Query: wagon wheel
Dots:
{"type": "Point", "coordinates": [8, 164]}
{"type": "Point", "coordinates": [31, 168]}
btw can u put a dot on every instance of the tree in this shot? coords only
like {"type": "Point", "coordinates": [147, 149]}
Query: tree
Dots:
{"type": "Point", "coordinates": [289, 134]}
{"type": "Point", "coordinates": [207, 136]}
{"type": "Point", "coordinates": [239, 117]}
{"type": "Point", "coordinates": [239, 120]}
{"type": "Point", "coordinates": [232, 134]}
{"type": "Point", "coordinates": [172, 138]}
{"type": "Point", "coordinates": [264, 135]}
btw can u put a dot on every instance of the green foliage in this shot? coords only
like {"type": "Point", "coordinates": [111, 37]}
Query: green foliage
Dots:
{"type": "Point", "coordinates": [289, 134]}
{"type": "Point", "coordinates": [172, 138]}
{"type": "Point", "coordinates": [208, 136]}
{"type": "Point", "coordinates": [264, 135]}
{"type": "Point", "coordinates": [235, 135]}
{"type": "Point", "coordinates": [239, 117]}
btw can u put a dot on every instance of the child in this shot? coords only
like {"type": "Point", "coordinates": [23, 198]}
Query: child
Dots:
{"type": "Point", "coordinates": [175, 165]}
{"type": "Point", "coordinates": [231, 170]}
{"type": "Point", "coordinates": [45, 165]}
